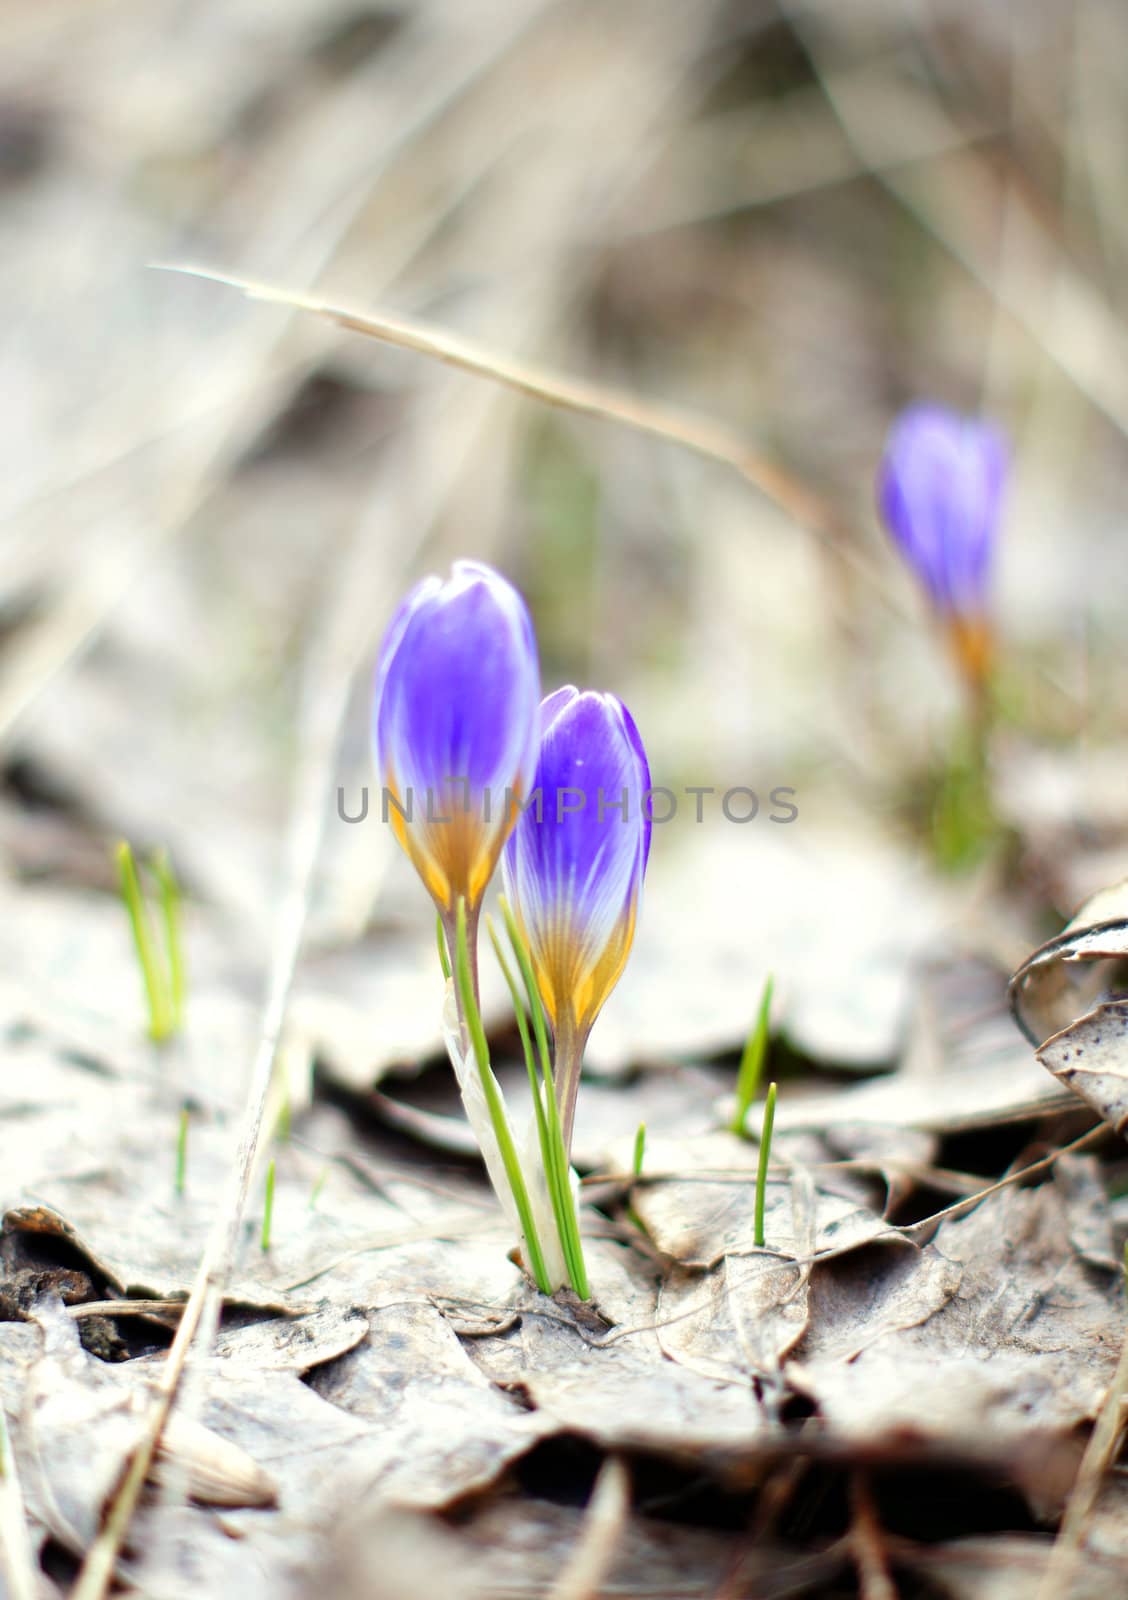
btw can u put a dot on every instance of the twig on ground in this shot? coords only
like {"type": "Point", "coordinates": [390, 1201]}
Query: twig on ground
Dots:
{"type": "Point", "coordinates": [1057, 1580]}
{"type": "Point", "coordinates": [326, 695]}
{"type": "Point", "coordinates": [128, 1308]}
{"type": "Point", "coordinates": [867, 1542]}
{"type": "Point", "coordinates": [17, 1563]}
{"type": "Point", "coordinates": [590, 1561]}
{"type": "Point", "coordinates": [702, 435]}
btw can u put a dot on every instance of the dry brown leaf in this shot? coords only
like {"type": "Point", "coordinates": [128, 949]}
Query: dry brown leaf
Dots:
{"type": "Point", "coordinates": [999, 1317]}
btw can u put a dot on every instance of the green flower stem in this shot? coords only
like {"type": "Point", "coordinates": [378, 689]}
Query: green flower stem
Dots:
{"type": "Point", "coordinates": [465, 980]}
{"type": "Point", "coordinates": [560, 1133]}
{"type": "Point", "coordinates": [554, 1157]}
{"type": "Point", "coordinates": [962, 822]}
{"type": "Point", "coordinates": [450, 924]}
{"type": "Point", "coordinates": [569, 1043]}
{"type": "Point", "coordinates": [569, 1055]}
{"type": "Point", "coordinates": [522, 1029]}
{"type": "Point", "coordinates": [536, 1009]}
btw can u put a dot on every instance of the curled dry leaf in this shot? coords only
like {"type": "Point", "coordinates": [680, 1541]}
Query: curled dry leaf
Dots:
{"type": "Point", "coordinates": [1075, 970]}
{"type": "Point", "coordinates": [1069, 999]}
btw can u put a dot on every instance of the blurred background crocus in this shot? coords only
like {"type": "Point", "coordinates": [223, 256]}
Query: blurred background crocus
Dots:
{"type": "Point", "coordinates": [940, 491]}
{"type": "Point", "coordinates": [574, 867]}
{"type": "Point", "coordinates": [455, 727]}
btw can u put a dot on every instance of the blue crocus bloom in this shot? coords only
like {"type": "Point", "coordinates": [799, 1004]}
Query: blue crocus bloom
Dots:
{"type": "Point", "coordinates": [575, 862]}
{"type": "Point", "coordinates": [455, 726]}
{"type": "Point", "coordinates": [940, 491]}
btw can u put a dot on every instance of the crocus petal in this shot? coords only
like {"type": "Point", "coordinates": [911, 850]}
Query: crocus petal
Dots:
{"type": "Point", "coordinates": [455, 725]}
{"type": "Point", "coordinates": [940, 490]}
{"type": "Point", "coordinates": [574, 868]}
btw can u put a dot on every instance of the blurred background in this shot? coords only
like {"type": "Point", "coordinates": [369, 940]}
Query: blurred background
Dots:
{"type": "Point", "coordinates": [793, 218]}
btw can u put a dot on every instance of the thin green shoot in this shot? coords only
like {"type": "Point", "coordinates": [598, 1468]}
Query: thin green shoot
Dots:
{"type": "Point", "coordinates": [639, 1150]}
{"type": "Point", "coordinates": [752, 1061]}
{"type": "Point", "coordinates": [549, 1132]}
{"type": "Point", "coordinates": [472, 1018]}
{"type": "Point", "coordinates": [762, 1169]}
{"type": "Point", "coordinates": [284, 1124]}
{"type": "Point", "coordinates": [440, 934]}
{"type": "Point", "coordinates": [318, 1185]}
{"type": "Point", "coordinates": [182, 1150]}
{"type": "Point", "coordinates": [144, 941]}
{"type": "Point", "coordinates": [268, 1207]}
{"type": "Point", "coordinates": [168, 890]}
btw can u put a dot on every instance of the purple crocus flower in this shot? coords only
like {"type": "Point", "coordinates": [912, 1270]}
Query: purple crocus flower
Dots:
{"type": "Point", "coordinates": [455, 726]}
{"type": "Point", "coordinates": [574, 866]}
{"type": "Point", "coordinates": [939, 491]}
